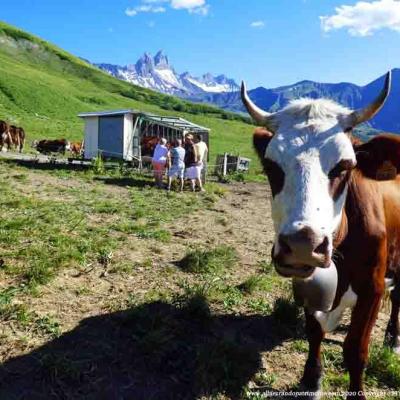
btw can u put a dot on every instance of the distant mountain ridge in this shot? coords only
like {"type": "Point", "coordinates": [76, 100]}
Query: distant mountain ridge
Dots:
{"type": "Point", "coordinates": [158, 74]}
{"type": "Point", "coordinates": [347, 94]}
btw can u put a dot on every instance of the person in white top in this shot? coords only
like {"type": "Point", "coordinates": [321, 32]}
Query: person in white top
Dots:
{"type": "Point", "coordinates": [201, 152]}
{"type": "Point", "coordinates": [159, 161]}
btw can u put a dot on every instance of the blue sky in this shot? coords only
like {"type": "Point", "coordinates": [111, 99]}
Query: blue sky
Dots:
{"type": "Point", "coordinates": [266, 42]}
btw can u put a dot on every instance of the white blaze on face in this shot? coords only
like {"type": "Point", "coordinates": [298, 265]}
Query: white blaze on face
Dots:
{"type": "Point", "coordinates": [307, 148]}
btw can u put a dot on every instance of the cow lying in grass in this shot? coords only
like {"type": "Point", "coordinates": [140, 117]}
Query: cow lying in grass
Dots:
{"type": "Point", "coordinates": [334, 198]}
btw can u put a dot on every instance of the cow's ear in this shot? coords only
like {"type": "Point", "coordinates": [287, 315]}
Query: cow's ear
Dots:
{"type": "Point", "coordinates": [379, 158]}
{"type": "Point", "coordinates": [261, 139]}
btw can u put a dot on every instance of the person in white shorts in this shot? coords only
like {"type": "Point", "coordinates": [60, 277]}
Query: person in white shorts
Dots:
{"type": "Point", "coordinates": [177, 161]}
{"type": "Point", "coordinates": [159, 161]}
{"type": "Point", "coordinates": [191, 171]}
{"type": "Point", "coordinates": [201, 152]}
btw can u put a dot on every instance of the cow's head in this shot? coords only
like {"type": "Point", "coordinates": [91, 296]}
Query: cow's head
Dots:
{"type": "Point", "coordinates": [307, 153]}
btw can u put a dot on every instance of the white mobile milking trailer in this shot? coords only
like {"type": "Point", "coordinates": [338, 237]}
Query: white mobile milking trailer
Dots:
{"type": "Point", "coordinates": [119, 133]}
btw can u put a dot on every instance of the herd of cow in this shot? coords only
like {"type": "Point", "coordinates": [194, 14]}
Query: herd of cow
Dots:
{"type": "Point", "coordinates": [13, 138]}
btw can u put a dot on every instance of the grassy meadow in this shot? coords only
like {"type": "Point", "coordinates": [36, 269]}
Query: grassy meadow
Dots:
{"type": "Point", "coordinates": [43, 88]}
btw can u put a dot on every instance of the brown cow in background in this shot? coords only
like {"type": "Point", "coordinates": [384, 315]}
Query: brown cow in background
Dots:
{"type": "Point", "coordinates": [76, 148]}
{"type": "Point", "coordinates": [5, 137]}
{"type": "Point", "coordinates": [17, 137]}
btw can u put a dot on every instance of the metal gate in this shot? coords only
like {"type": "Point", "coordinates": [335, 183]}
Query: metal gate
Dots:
{"type": "Point", "coordinates": [111, 136]}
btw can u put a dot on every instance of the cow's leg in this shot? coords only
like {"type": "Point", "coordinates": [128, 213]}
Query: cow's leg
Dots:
{"type": "Point", "coordinates": [312, 375]}
{"type": "Point", "coordinates": [22, 144]}
{"type": "Point", "coordinates": [355, 348]}
{"type": "Point", "coordinates": [392, 335]}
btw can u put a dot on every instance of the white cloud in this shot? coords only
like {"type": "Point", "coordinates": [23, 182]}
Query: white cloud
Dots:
{"type": "Point", "coordinates": [364, 18]}
{"type": "Point", "coordinates": [257, 24]}
{"type": "Point", "coordinates": [144, 8]}
{"type": "Point", "coordinates": [193, 6]}
{"type": "Point", "coordinates": [157, 6]}
{"type": "Point", "coordinates": [151, 24]}
{"type": "Point", "coordinates": [200, 10]}
{"type": "Point", "coordinates": [187, 4]}
{"type": "Point", "coordinates": [130, 12]}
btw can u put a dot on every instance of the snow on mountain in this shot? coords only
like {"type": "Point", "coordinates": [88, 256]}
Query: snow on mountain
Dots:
{"type": "Point", "coordinates": [157, 73]}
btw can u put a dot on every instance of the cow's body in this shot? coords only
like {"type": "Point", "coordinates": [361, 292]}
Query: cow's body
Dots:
{"type": "Point", "coordinates": [76, 148]}
{"type": "Point", "coordinates": [52, 146]}
{"type": "Point", "coordinates": [5, 137]}
{"type": "Point", "coordinates": [335, 204]}
{"type": "Point", "coordinates": [368, 252]}
{"type": "Point", "coordinates": [148, 144]}
{"type": "Point", "coordinates": [17, 135]}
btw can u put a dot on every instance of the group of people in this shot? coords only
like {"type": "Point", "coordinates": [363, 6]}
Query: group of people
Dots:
{"type": "Point", "coordinates": [184, 161]}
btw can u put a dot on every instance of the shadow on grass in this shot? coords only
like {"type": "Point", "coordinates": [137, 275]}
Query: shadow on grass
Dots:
{"type": "Point", "coordinates": [150, 352]}
{"type": "Point", "coordinates": [140, 181]}
{"type": "Point", "coordinates": [46, 166]}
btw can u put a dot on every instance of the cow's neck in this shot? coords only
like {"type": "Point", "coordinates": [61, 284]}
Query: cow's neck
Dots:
{"type": "Point", "coordinates": [341, 231]}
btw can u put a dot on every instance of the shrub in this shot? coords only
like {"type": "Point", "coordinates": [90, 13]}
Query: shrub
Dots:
{"type": "Point", "coordinates": [98, 166]}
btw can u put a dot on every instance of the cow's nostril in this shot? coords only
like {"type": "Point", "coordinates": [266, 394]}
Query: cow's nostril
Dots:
{"type": "Point", "coordinates": [323, 247]}
{"type": "Point", "coordinates": [283, 245]}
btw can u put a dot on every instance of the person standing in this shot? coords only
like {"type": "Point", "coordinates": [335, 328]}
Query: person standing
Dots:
{"type": "Point", "coordinates": [201, 151]}
{"type": "Point", "coordinates": [190, 161]}
{"type": "Point", "coordinates": [177, 156]}
{"type": "Point", "coordinates": [159, 161]}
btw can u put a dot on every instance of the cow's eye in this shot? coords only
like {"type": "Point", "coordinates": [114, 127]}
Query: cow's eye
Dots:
{"type": "Point", "coordinates": [341, 169]}
{"type": "Point", "coordinates": [276, 176]}
{"type": "Point", "coordinates": [338, 177]}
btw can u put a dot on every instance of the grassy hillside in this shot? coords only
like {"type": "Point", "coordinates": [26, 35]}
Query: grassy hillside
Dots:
{"type": "Point", "coordinates": [43, 88]}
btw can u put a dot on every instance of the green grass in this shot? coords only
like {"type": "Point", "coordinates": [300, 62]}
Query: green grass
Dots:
{"type": "Point", "coordinates": [287, 313]}
{"type": "Point", "coordinates": [39, 235]}
{"type": "Point", "coordinates": [256, 283]}
{"type": "Point", "coordinates": [216, 260]}
{"type": "Point", "coordinates": [384, 366]}
{"type": "Point", "coordinates": [43, 88]}
{"type": "Point", "coordinates": [23, 318]}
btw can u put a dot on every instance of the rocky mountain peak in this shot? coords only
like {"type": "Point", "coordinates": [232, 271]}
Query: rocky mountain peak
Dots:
{"type": "Point", "coordinates": [158, 74]}
{"type": "Point", "coordinates": [161, 60]}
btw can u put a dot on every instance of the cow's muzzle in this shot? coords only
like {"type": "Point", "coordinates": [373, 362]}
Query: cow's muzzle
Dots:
{"type": "Point", "coordinates": [298, 253]}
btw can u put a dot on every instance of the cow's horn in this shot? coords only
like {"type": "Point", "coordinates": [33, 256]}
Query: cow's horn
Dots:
{"type": "Point", "coordinates": [260, 116]}
{"type": "Point", "coordinates": [364, 114]}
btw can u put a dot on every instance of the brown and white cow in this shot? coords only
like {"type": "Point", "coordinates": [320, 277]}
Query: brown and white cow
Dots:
{"type": "Point", "coordinates": [52, 146]}
{"type": "Point", "coordinates": [17, 135]}
{"type": "Point", "coordinates": [335, 201]}
{"type": "Point", "coordinates": [76, 148]}
{"type": "Point", "coordinates": [5, 137]}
